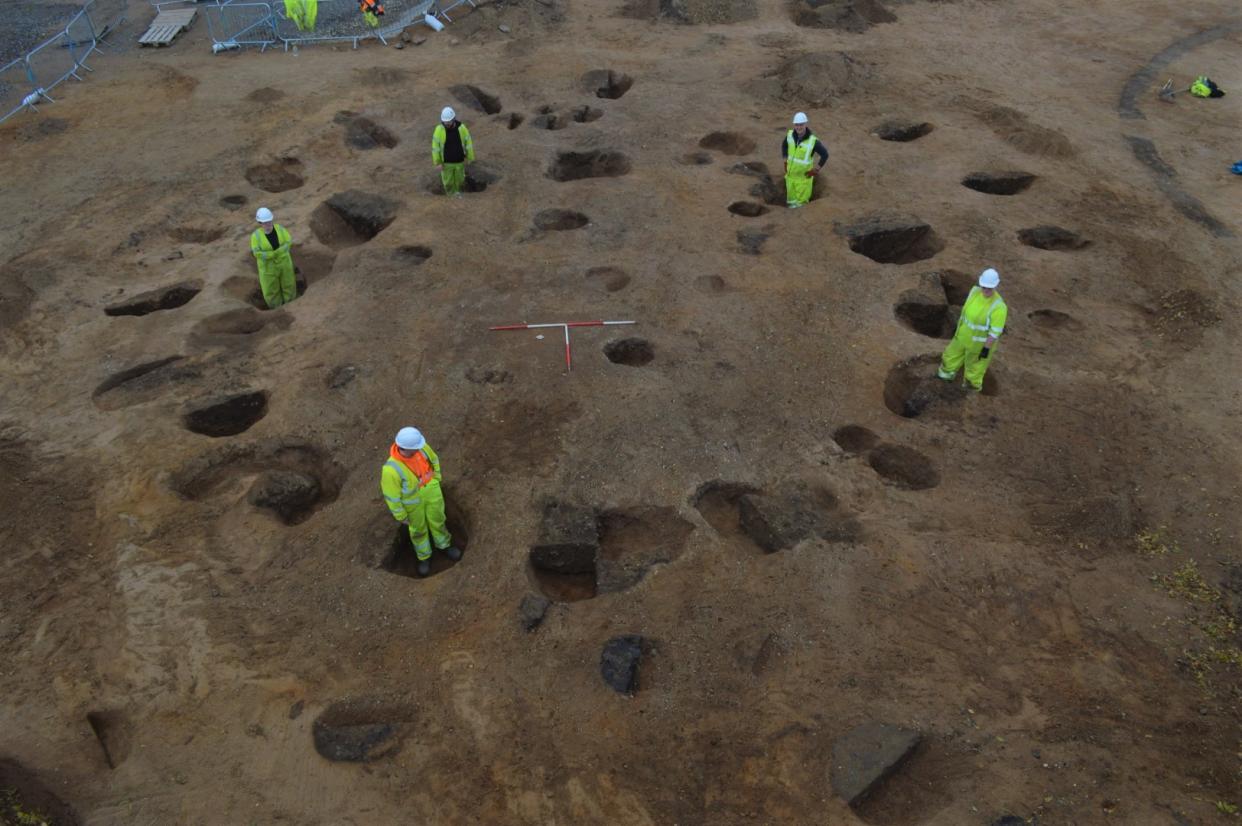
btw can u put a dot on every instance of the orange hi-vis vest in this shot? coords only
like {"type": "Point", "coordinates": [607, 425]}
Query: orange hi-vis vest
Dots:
{"type": "Point", "coordinates": [418, 464]}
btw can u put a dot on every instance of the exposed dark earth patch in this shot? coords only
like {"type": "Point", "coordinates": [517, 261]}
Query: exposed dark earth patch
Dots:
{"type": "Point", "coordinates": [412, 254]}
{"type": "Point", "coordinates": [143, 382]}
{"type": "Point", "coordinates": [476, 99]}
{"type": "Point", "coordinates": [164, 298]}
{"type": "Point", "coordinates": [514, 120]}
{"type": "Point", "coordinates": [999, 183]}
{"type": "Point", "coordinates": [350, 218]}
{"type": "Point", "coordinates": [606, 83]}
{"type": "Point", "coordinates": [25, 800]}
{"type": "Point", "coordinates": [1019, 131]}
{"type": "Point", "coordinates": [229, 326]}
{"type": "Point", "coordinates": [216, 474]}
{"type": "Point", "coordinates": [893, 239]}
{"type": "Point", "coordinates": [750, 241]}
{"type": "Point", "coordinates": [586, 114]}
{"type": "Point", "coordinates": [748, 209]}
{"type": "Point", "coordinates": [728, 143]}
{"type": "Point", "coordinates": [265, 94]}
{"type": "Point", "coordinates": [912, 388]}
{"type": "Point", "coordinates": [583, 552]}
{"type": "Point", "coordinates": [281, 175]}
{"type": "Point", "coordinates": [696, 159]}
{"type": "Point", "coordinates": [484, 375]}
{"type": "Point", "coordinates": [619, 662]}
{"type": "Point", "coordinates": [904, 467]}
{"type": "Point", "coordinates": [854, 438]}
{"type": "Point", "coordinates": [1049, 237]}
{"type": "Point", "coordinates": [196, 235]}
{"type": "Point", "coordinates": [632, 352]}
{"type": "Point", "coordinates": [576, 166]}
{"type": "Point", "coordinates": [902, 131]}
{"type": "Point", "coordinates": [1048, 319]}
{"type": "Point", "coordinates": [560, 220]}
{"type": "Point", "coordinates": [756, 169]}
{"type": "Point", "coordinates": [401, 559]}
{"type": "Point", "coordinates": [479, 177]}
{"type": "Point", "coordinates": [610, 279]}
{"type": "Point", "coordinates": [711, 284]}
{"type": "Point", "coordinates": [226, 416]}
{"type": "Point", "coordinates": [546, 117]}
{"type": "Point", "coordinates": [364, 133]}
{"type": "Point", "coordinates": [233, 202]}
{"type": "Point", "coordinates": [773, 522]}
{"type": "Point", "coordinates": [361, 730]}
{"type": "Point", "coordinates": [1166, 178]}
{"type": "Point", "coordinates": [844, 15]}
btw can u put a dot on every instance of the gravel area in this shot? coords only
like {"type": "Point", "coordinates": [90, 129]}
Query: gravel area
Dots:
{"type": "Point", "coordinates": [25, 24]}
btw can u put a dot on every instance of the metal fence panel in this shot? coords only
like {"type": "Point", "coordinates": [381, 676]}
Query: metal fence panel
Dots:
{"type": "Point", "coordinates": [240, 23]}
{"type": "Point", "coordinates": [81, 38]}
{"type": "Point", "coordinates": [52, 62]}
{"type": "Point", "coordinates": [15, 84]}
{"type": "Point", "coordinates": [105, 15]}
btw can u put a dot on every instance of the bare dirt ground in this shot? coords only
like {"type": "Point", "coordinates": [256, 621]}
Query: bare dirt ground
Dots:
{"type": "Point", "coordinates": [1042, 581]}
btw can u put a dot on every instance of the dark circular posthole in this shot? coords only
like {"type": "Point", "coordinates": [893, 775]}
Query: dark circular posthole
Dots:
{"type": "Point", "coordinates": [729, 143]}
{"type": "Point", "coordinates": [1048, 319]}
{"type": "Point", "coordinates": [912, 388]}
{"type": "Point", "coordinates": [998, 183]}
{"type": "Point", "coordinates": [228, 416]}
{"type": "Point", "coordinates": [632, 352]}
{"type": "Point", "coordinates": [291, 495]}
{"type": "Point", "coordinates": [557, 220]}
{"type": "Point", "coordinates": [932, 320]}
{"type": "Point", "coordinates": [854, 438]}
{"type": "Point", "coordinates": [748, 209]}
{"type": "Point", "coordinates": [1049, 237]}
{"type": "Point", "coordinates": [278, 176]}
{"type": "Point", "coordinates": [233, 201]}
{"type": "Point", "coordinates": [606, 83]}
{"type": "Point", "coordinates": [904, 467]}
{"type": "Point", "coordinates": [350, 218]}
{"type": "Point", "coordinates": [358, 731]}
{"type": "Point", "coordinates": [364, 133]}
{"type": "Point", "coordinates": [165, 298]}
{"type": "Point", "coordinates": [611, 279]}
{"type": "Point", "coordinates": [894, 240]}
{"type": "Point", "coordinates": [514, 120]}
{"type": "Point", "coordinates": [575, 166]}
{"type": "Point", "coordinates": [902, 131]}
{"type": "Point", "coordinates": [476, 99]}
{"type": "Point", "coordinates": [587, 114]}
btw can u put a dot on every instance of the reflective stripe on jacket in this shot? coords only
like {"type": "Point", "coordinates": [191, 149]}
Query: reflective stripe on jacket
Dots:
{"type": "Point", "coordinates": [439, 136]}
{"type": "Point", "coordinates": [262, 249]}
{"type": "Point", "coordinates": [401, 488]}
{"type": "Point", "coordinates": [800, 153]}
{"type": "Point", "coordinates": [983, 316]}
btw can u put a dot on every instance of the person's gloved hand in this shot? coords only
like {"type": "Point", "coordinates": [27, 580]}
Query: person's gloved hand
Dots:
{"type": "Point", "coordinates": [984, 352]}
{"type": "Point", "coordinates": [812, 172]}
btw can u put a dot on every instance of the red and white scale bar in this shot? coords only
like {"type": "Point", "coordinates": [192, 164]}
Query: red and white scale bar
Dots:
{"type": "Point", "coordinates": [565, 325]}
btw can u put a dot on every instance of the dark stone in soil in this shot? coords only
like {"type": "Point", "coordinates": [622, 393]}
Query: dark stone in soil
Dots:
{"type": "Point", "coordinates": [568, 540]}
{"type": "Point", "coordinates": [532, 611]}
{"type": "Point", "coordinates": [288, 493]}
{"type": "Point", "coordinates": [867, 756]}
{"type": "Point", "coordinates": [619, 661]}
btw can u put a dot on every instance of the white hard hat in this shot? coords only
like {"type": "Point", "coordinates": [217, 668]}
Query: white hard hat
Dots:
{"type": "Point", "coordinates": [447, 115]}
{"type": "Point", "coordinates": [989, 278]}
{"type": "Point", "coordinates": [408, 438]}
{"type": "Point", "coordinates": [799, 118]}
{"type": "Point", "coordinates": [264, 215]}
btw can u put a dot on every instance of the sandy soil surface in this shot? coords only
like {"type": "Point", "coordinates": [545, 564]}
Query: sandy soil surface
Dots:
{"type": "Point", "coordinates": [201, 617]}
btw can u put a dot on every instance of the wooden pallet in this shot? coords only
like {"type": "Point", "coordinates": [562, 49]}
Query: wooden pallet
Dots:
{"type": "Point", "coordinates": [166, 26]}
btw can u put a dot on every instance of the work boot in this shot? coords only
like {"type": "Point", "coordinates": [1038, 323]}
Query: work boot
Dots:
{"type": "Point", "coordinates": [424, 567]}
{"type": "Point", "coordinates": [452, 553]}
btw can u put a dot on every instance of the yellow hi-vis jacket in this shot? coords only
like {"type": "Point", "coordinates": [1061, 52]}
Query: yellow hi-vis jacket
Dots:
{"type": "Point", "coordinates": [981, 317]}
{"type": "Point", "coordinates": [401, 488]}
{"type": "Point", "coordinates": [440, 135]}
{"type": "Point", "coordinates": [800, 154]}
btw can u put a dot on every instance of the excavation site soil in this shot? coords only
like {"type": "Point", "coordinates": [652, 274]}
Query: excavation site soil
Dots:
{"type": "Point", "coordinates": [749, 561]}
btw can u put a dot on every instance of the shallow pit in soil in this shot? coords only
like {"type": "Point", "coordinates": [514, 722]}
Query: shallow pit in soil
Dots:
{"type": "Point", "coordinates": [196, 235]}
{"type": "Point", "coordinates": [1048, 319]}
{"type": "Point", "coordinates": [772, 190]}
{"type": "Point", "coordinates": [401, 559]}
{"type": "Point", "coordinates": [351, 218]}
{"type": "Point", "coordinates": [547, 118]}
{"type": "Point", "coordinates": [748, 209]}
{"type": "Point", "coordinates": [413, 254]}
{"type": "Point", "coordinates": [728, 143]}
{"type": "Point", "coordinates": [610, 279]}
{"type": "Point", "coordinates": [902, 131]}
{"type": "Point", "coordinates": [281, 175]}
{"type": "Point", "coordinates": [141, 383]}
{"type": "Point", "coordinates": [243, 322]}
{"type": "Point", "coordinates": [894, 241]}
{"type": "Point", "coordinates": [560, 220]}
{"type": "Point", "coordinates": [695, 159]}
{"type": "Point", "coordinates": [365, 134]}
{"type": "Point", "coordinates": [912, 388]}
{"type": "Point", "coordinates": [606, 83]}
{"type": "Point", "coordinates": [478, 178]}
{"type": "Point", "coordinates": [514, 120]}
{"type": "Point", "coordinates": [475, 98]}
{"type": "Point", "coordinates": [233, 202]}
{"type": "Point", "coordinates": [931, 320]}
{"type": "Point", "coordinates": [360, 731]}
{"type": "Point", "coordinates": [999, 183]}
{"type": "Point", "coordinates": [114, 733]}
{"type": "Point", "coordinates": [164, 298]}
{"type": "Point", "coordinates": [956, 284]}
{"type": "Point", "coordinates": [226, 416]}
{"type": "Point", "coordinates": [632, 352]}
{"type": "Point", "coordinates": [904, 467]}
{"type": "Point", "coordinates": [854, 438]}
{"type": "Point", "coordinates": [1049, 237]}
{"type": "Point", "coordinates": [576, 166]}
